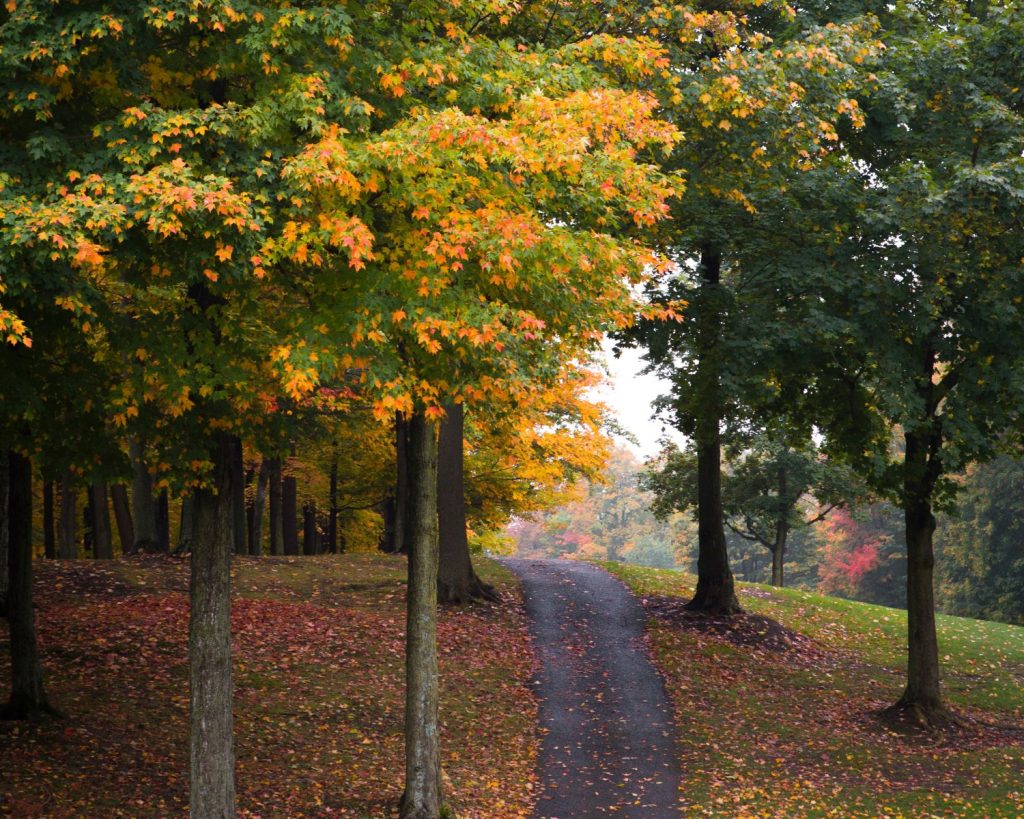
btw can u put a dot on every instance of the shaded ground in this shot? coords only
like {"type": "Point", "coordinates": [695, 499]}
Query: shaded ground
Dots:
{"type": "Point", "coordinates": [609, 746]}
{"type": "Point", "coordinates": [319, 663]}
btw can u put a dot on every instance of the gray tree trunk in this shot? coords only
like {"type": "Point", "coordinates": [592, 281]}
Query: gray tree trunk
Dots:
{"type": "Point", "coordinates": [144, 512]}
{"type": "Point", "coordinates": [28, 699]}
{"type": "Point", "coordinates": [276, 511]}
{"type": "Point", "coordinates": [123, 517]}
{"type": "Point", "coordinates": [290, 515]}
{"type": "Point", "coordinates": [457, 582]}
{"type": "Point", "coordinates": [259, 503]}
{"type": "Point", "coordinates": [67, 528]}
{"type": "Point", "coordinates": [238, 528]}
{"type": "Point", "coordinates": [102, 545]}
{"type": "Point", "coordinates": [186, 524]}
{"type": "Point", "coordinates": [309, 533]}
{"type": "Point", "coordinates": [332, 515]}
{"type": "Point", "coordinates": [422, 796]}
{"type": "Point", "coordinates": [212, 792]}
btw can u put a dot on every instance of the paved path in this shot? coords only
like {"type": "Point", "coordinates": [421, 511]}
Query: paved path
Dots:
{"type": "Point", "coordinates": [609, 747]}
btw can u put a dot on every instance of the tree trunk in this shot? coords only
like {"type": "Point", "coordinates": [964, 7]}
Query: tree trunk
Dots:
{"type": "Point", "coordinates": [144, 513]}
{"type": "Point", "coordinates": [399, 541]}
{"type": "Point", "coordinates": [102, 546]}
{"type": "Point", "coordinates": [209, 643]}
{"type": "Point", "coordinates": [276, 512]}
{"type": "Point", "coordinates": [163, 523]}
{"type": "Point", "coordinates": [309, 544]}
{"type": "Point", "coordinates": [67, 530]}
{"type": "Point", "coordinates": [5, 531]}
{"type": "Point", "coordinates": [259, 501]}
{"type": "Point", "coordinates": [186, 524]}
{"type": "Point", "coordinates": [290, 515]}
{"type": "Point", "coordinates": [332, 519]}
{"type": "Point", "coordinates": [238, 527]}
{"type": "Point", "coordinates": [123, 517]}
{"type": "Point", "coordinates": [715, 591]}
{"type": "Point", "coordinates": [387, 537]}
{"type": "Point", "coordinates": [49, 529]}
{"type": "Point", "coordinates": [422, 796]}
{"type": "Point", "coordinates": [456, 580]}
{"type": "Point", "coordinates": [921, 701]}
{"type": "Point", "coordinates": [28, 699]}
{"type": "Point", "coordinates": [781, 531]}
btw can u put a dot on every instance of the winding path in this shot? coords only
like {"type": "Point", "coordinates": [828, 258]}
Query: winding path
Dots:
{"type": "Point", "coordinates": [609, 747]}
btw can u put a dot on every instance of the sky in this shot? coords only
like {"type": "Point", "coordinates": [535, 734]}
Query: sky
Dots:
{"type": "Point", "coordinates": [630, 396]}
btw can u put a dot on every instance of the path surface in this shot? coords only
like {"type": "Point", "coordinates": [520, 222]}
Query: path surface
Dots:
{"type": "Point", "coordinates": [609, 747]}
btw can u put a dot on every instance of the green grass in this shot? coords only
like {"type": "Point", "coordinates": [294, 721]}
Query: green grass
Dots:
{"type": "Point", "coordinates": [794, 732]}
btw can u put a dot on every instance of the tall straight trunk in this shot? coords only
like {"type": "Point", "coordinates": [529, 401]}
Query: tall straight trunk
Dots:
{"type": "Point", "coordinates": [67, 528]}
{"type": "Point", "coordinates": [387, 537]}
{"type": "Point", "coordinates": [276, 511]}
{"type": "Point", "coordinates": [332, 516]}
{"type": "Point", "coordinates": [212, 758]}
{"type": "Point", "coordinates": [144, 511]}
{"type": "Point", "coordinates": [309, 544]}
{"type": "Point", "coordinates": [779, 553]}
{"type": "Point", "coordinates": [102, 546]}
{"type": "Point", "coordinates": [259, 502]}
{"type": "Point", "coordinates": [422, 796]}
{"type": "Point", "coordinates": [28, 699]}
{"type": "Point", "coordinates": [922, 699]}
{"type": "Point", "coordinates": [401, 483]}
{"type": "Point", "coordinates": [123, 517]}
{"type": "Point", "coordinates": [456, 580]}
{"type": "Point", "coordinates": [49, 526]}
{"type": "Point", "coordinates": [238, 528]}
{"type": "Point", "coordinates": [290, 515]}
{"type": "Point", "coordinates": [163, 522]}
{"type": "Point", "coordinates": [715, 591]}
{"type": "Point", "coordinates": [186, 524]}
{"type": "Point", "coordinates": [5, 532]}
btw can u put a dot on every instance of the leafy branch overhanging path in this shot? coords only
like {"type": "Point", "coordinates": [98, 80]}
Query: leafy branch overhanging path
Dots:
{"type": "Point", "coordinates": [609, 746]}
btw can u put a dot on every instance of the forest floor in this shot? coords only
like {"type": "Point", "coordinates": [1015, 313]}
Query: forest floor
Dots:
{"type": "Point", "coordinates": [318, 692]}
{"type": "Point", "coordinates": [777, 709]}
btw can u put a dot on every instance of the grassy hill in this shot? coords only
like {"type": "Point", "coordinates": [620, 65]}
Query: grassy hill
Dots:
{"type": "Point", "coordinates": [776, 710]}
{"type": "Point", "coordinates": [319, 692]}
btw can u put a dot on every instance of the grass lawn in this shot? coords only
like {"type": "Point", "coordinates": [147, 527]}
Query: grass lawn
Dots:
{"type": "Point", "coordinates": [319, 666]}
{"type": "Point", "coordinates": [776, 710]}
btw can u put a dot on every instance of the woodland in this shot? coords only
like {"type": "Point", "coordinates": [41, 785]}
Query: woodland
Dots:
{"type": "Point", "coordinates": [281, 281]}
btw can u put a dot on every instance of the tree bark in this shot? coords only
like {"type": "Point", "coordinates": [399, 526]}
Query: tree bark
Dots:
{"type": "Point", "coordinates": [921, 701]}
{"type": "Point", "coordinates": [422, 796]}
{"type": "Point", "coordinates": [67, 529]}
{"type": "Point", "coordinates": [212, 763]}
{"type": "Point", "coordinates": [332, 519]}
{"type": "Point", "coordinates": [5, 532]}
{"type": "Point", "coordinates": [123, 517]}
{"type": "Point", "coordinates": [309, 538]}
{"type": "Point", "coordinates": [163, 523]}
{"type": "Point", "coordinates": [715, 591]}
{"type": "Point", "coordinates": [49, 529]}
{"type": "Point", "coordinates": [276, 516]}
{"type": "Point", "coordinates": [28, 699]}
{"type": "Point", "coordinates": [186, 523]}
{"type": "Point", "coordinates": [143, 503]}
{"type": "Point", "coordinates": [238, 527]}
{"type": "Point", "coordinates": [259, 502]}
{"type": "Point", "coordinates": [290, 515]}
{"type": "Point", "coordinates": [102, 546]}
{"type": "Point", "coordinates": [779, 553]}
{"type": "Point", "coordinates": [456, 580]}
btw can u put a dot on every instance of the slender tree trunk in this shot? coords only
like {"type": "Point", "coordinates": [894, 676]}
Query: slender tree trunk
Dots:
{"type": "Point", "coordinates": [49, 528]}
{"type": "Point", "coordinates": [102, 546]}
{"type": "Point", "coordinates": [290, 515]}
{"type": "Point", "coordinates": [144, 511]}
{"type": "Point", "coordinates": [401, 483]}
{"type": "Point", "coordinates": [209, 643]}
{"type": "Point", "coordinates": [422, 796]}
{"type": "Point", "coordinates": [332, 519]}
{"type": "Point", "coordinates": [921, 700]}
{"type": "Point", "coordinates": [67, 529]}
{"type": "Point", "coordinates": [779, 553]}
{"type": "Point", "coordinates": [238, 482]}
{"type": "Point", "coordinates": [5, 532]}
{"type": "Point", "coordinates": [387, 539]}
{"type": "Point", "coordinates": [123, 517]}
{"type": "Point", "coordinates": [309, 544]}
{"type": "Point", "coordinates": [456, 580]}
{"type": "Point", "coordinates": [186, 524]}
{"type": "Point", "coordinates": [259, 501]}
{"type": "Point", "coordinates": [163, 523]}
{"type": "Point", "coordinates": [276, 511]}
{"type": "Point", "coordinates": [715, 591]}
{"type": "Point", "coordinates": [28, 699]}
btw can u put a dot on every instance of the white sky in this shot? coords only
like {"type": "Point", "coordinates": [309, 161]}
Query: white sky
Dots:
{"type": "Point", "coordinates": [631, 396]}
